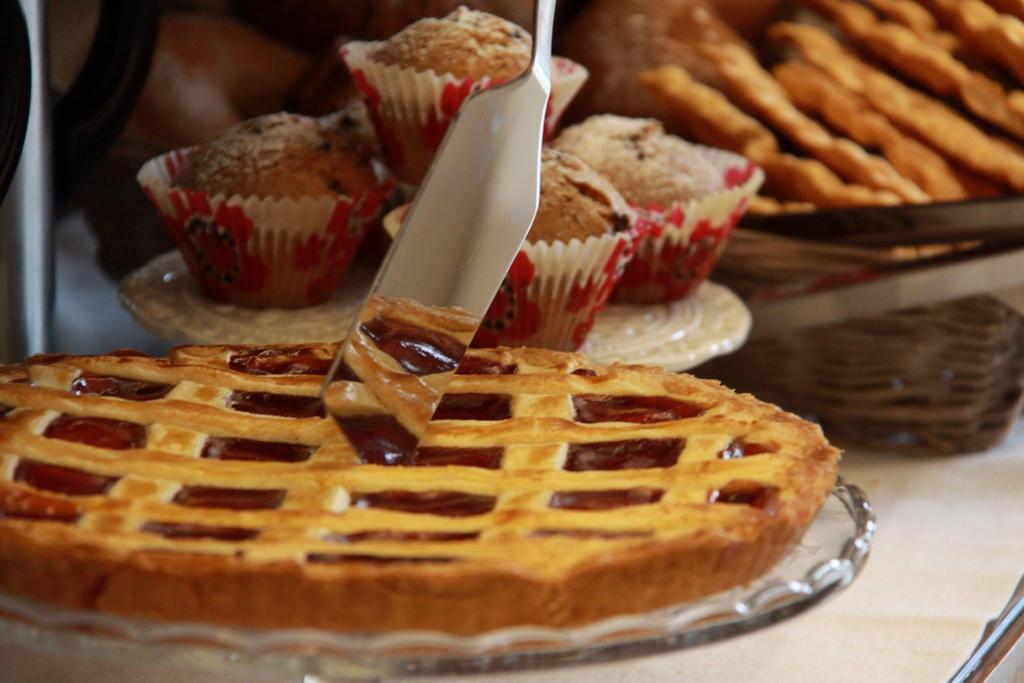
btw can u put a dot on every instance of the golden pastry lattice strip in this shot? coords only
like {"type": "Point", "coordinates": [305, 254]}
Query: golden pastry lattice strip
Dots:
{"type": "Point", "coordinates": [712, 119]}
{"type": "Point", "coordinates": [931, 66]}
{"type": "Point", "coordinates": [919, 20]}
{"type": "Point", "coordinates": [999, 37]}
{"type": "Point", "coordinates": [927, 118]}
{"type": "Point", "coordinates": [405, 395]}
{"type": "Point", "coordinates": [149, 482]}
{"type": "Point", "coordinates": [815, 93]}
{"type": "Point", "coordinates": [755, 90]}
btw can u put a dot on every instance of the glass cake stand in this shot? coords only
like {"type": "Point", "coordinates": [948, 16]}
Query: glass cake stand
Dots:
{"type": "Point", "coordinates": [830, 556]}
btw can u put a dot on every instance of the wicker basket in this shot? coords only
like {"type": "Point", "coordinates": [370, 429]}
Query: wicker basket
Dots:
{"type": "Point", "coordinates": [940, 379]}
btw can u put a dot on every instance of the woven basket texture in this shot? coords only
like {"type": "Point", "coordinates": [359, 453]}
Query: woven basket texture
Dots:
{"type": "Point", "coordinates": [939, 379]}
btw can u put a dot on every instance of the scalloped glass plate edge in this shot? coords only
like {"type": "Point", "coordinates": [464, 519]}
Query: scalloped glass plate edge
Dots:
{"type": "Point", "coordinates": [825, 567]}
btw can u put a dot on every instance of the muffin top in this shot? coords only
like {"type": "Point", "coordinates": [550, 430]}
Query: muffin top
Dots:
{"type": "Point", "coordinates": [465, 43]}
{"type": "Point", "coordinates": [280, 155]}
{"type": "Point", "coordinates": [575, 201]}
{"type": "Point", "coordinates": [646, 164]}
{"type": "Point", "coordinates": [353, 122]}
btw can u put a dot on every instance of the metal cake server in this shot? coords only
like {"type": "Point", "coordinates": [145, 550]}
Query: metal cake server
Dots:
{"type": "Point", "coordinates": [461, 234]}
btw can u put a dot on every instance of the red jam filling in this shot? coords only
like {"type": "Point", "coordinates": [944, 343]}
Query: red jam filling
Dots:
{"type": "Point", "coordinates": [588, 533]}
{"type": "Point", "coordinates": [632, 454]}
{"type": "Point", "coordinates": [604, 500]}
{"type": "Point", "coordinates": [382, 440]}
{"type": "Point", "coordinates": [184, 530]}
{"type": "Point", "coordinates": [280, 405]}
{"type": "Point", "coordinates": [418, 350]}
{"type": "Point", "coordinates": [745, 492]}
{"type": "Point", "coordinates": [474, 407]}
{"type": "Point", "coordinates": [18, 504]}
{"type": "Point", "coordinates": [443, 503]}
{"type": "Point", "coordinates": [229, 448]}
{"type": "Point", "coordinates": [584, 372]}
{"type": "Point", "coordinates": [279, 362]}
{"type": "Point", "coordinates": [89, 384]}
{"type": "Point", "coordinates": [66, 480]}
{"type": "Point", "coordinates": [345, 374]}
{"type": "Point", "coordinates": [386, 535]}
{"type": "Point", "coordinates": [591, 408]}
{"type": "Point", "coordinates": [471, 365]}
{"type": "Point", "coordinates": [378, 439]}
{"type": "Point", "coordinates": [338, 558]}
{"type": "Point", "coordinates": [100, 432]}
{"type": "Point", "coordinates": [231, 499]}
{"type": "Point", "coordinates": [741, 449]}
{"type": "Point", "coordinates": [440, 456]}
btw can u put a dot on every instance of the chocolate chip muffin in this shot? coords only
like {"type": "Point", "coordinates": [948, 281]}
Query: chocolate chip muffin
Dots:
{"type": "Point", "coordinates": [414, 83]}
{"type": "Point", "coordinates": [687, 198]}
{"type": "Point", "coordinates": [353, 123]}
{"type": "Point", "coordinates": [271, 211]}
{"type": "Point", "coordinates": [465, 43]}
{"type": "Point", "coordinates": [576, 202]}
{"type": "Point", "coordinates": [281, 155]}
{"type": "Point", "coordinates": [646, 164]}
{"type": "Point", "coordinates": [581, 240]}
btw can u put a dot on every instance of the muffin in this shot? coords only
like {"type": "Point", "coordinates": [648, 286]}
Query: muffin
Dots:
{"type": "Point", "coordinates": [279, 155]}
{"type": "Point", "coordinates": [352, 122]}
{"type": "Point", "coordinates": [688, 199]}
{"type": "Point", "coordinates": [414, 82]}
{"type": "Point", "coordinates": [647, 165]}
{"type": "Point", "coordinates": [270, 211]}
{"type": "Point", "coordinates": [576, 202]}
{"type": "Point", "coordinates": [465, 43]}
{"type": "Point", "coordinates": [581, 239]}
{"type": "Point", "coordinates": [578, 246]}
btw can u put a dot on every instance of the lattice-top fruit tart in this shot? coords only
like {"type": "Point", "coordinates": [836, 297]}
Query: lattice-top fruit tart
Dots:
{"type": "Point", "coordinates": [211, 487]}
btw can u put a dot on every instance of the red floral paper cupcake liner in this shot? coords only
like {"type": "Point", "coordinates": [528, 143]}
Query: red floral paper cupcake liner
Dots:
{"type": "Point", "coordinates": [685, 240]}
{"type": "Point", "coordinates": [411, 110]}
{"type": "Point", "coordinates": [261, 252]}
{"type": "Point", "coordinates": [552, 291]}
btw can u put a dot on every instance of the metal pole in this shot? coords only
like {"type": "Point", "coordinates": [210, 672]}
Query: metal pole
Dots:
{"type": "Point", "coordinates": [26, 218]}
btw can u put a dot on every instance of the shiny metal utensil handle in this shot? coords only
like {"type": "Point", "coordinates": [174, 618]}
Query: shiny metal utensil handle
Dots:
{"type": "Point", "coordinates": [459, 238]}
{"type": "Point", "coordinates": [920, 287]}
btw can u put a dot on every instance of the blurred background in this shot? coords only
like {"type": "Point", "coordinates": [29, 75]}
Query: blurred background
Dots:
{"type": "Point", "coordinates": [218, 62]}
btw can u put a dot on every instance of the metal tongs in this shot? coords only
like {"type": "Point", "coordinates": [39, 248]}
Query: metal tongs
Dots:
{"type": "Point", "coordinates": [998, 272]}
{"type": "Point", "coordinates": [994, 265]}
{"type": "Point", "coordinates": [461, 234]}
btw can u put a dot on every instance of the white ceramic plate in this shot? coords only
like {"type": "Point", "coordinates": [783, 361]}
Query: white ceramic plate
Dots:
{"type": "Point", "coordinates": [164, 299]}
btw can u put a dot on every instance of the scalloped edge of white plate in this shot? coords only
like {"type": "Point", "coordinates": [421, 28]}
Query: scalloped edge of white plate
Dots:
{"type": "Point", "coordinates": [164, 299]}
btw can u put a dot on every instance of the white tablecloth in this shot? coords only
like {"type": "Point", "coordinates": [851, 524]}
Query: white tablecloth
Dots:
{"type": "Point", "coordinates": [948, 552]}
